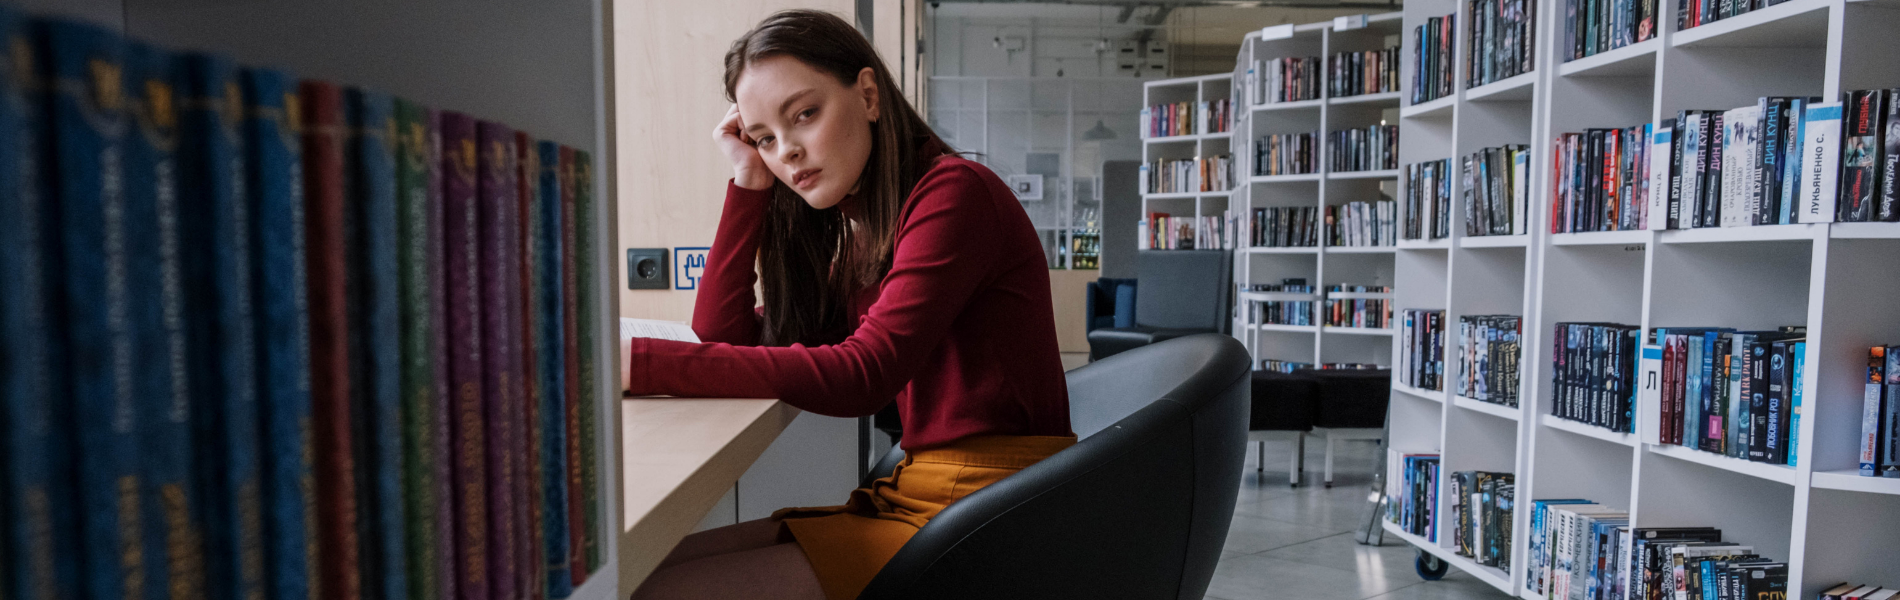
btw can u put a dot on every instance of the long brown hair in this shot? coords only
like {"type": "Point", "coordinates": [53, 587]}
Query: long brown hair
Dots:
{"type": "Point", "coordinates": [811, 260]}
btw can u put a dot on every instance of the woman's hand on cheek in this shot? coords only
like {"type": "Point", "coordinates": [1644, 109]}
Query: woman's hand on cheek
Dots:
{"type": "Point", "coordinates": [748, 170]}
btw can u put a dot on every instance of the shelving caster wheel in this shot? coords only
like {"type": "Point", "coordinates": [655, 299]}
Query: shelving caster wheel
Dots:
{"type": "Point", "coordinates": [1429, 567]}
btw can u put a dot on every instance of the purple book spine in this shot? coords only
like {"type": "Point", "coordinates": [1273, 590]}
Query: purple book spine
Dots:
{"type": "Point", "coordinates": [460, 262]}
{"type": "Point", "coordinates": [439, 347]}
{"type": "Point", "coordinates": [499, 259]}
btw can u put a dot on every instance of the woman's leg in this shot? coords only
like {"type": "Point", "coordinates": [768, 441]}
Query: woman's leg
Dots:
{"type": "Point", "coordinates": [750, 535]}
{"type": "Point", "coordinates": [776, 572]}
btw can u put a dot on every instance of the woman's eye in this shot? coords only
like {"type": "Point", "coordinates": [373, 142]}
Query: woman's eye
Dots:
{"type": "Point", "coordinates": [807, 114]}
{"type": "Point", "coordinates": [764, 141]}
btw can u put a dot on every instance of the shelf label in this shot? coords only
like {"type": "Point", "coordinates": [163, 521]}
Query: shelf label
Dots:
{"type": "Point", "coordinates": [1276, 32]}
{"type": "Point", "coordinates": [1349, 22]}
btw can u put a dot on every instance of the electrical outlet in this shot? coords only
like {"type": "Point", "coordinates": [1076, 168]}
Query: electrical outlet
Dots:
{"type": "Point", "coordinates": [646, 269]}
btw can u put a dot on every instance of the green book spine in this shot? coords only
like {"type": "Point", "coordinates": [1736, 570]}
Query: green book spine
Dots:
{"type": "Point", "coordinates": [587, 288]}
{"type": "Point", "coordinates": [419, 399]}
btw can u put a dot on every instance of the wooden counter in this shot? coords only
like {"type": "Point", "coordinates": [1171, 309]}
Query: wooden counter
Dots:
{"type": "Point", "coordinates": [678, 456]}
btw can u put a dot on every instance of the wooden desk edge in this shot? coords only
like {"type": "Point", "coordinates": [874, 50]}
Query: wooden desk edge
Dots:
{"type": "Point", "coordinates": [646, 538]}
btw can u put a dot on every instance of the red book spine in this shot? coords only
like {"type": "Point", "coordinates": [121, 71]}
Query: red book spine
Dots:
{"type": "Point", "coordinates": [576, 508]}
{"type": "Point", "coordinates": [444, 408]}
{"type": "Point", "coordinates": [323, 137]}
{"type": "Point", "coordinates": [497, 208]}
{"type": "Point", "coordinates": [463, 304]}
{"type": "Point", "coordinates": [529, 498]}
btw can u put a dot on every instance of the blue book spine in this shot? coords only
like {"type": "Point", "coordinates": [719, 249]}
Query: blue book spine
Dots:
{"type": "Point", "coordinates": [372, 180]}
{"type": "Point", "coordinates": [38, 524]}
{"type": "Point", "coordinates": [214, 231]}
{"type": "Point", "coordinates": [549, 358]}
{"type": "Point", "coordinates": [1791, 161]}
{"type": "Point", "coordinates": [88, 128]}
{"type": "Point", "coordinates": [283, 331]}
{"type": "Point", "coordinates": [1795, 396]}
{"type": "Point", "coordinates": [174, 556]}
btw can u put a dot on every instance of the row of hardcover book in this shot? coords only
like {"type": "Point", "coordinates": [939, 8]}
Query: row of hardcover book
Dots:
{"type": "Point", "coordinates": [1373, 148]}
{"type": "Point", "coordinates": [1488, 358]}
{"type": "Point", "coordinates": [1428, 200]}
{"type": "Point", "coordinates": [263, 338]}
{"type": "Point", "coordinates": [1592, 27]}
{"type": "Point", "coordinates": [1734, 393]}
{"type": "Point", "coordinates": [1432, 59]}
{"type": "Point", "coordinates": [1298, 78]}
{"type": "Point", "coordinates": [1362, 313]}
{"type": "Point", "coordinates": [1593, 369]}
{"type": "Point", "coordinates": [1503, 40]}
{"type": "Point", "coordinates": [1364, 72]}
{"type": "Point", "coordinates": [1286, 154]}
{"type": "Point", "coordinates": [1412, 492]}
{"type": "Point", "coordinates": [1497, 191]}
{"type": "Point", "coordinates": [1161, 231]}
{"type": "Point", "coordinates": [1288, 366]}
{"type": "Point", "coordinates": [1481, 507]}
{"type": "Point", "coordinates": [1421, 360]}
{"type": "Point", "coordinates": [1210, 174]}
{"type": "Point", "coordinates": [1187, 118]}
{"type": "Point", "coordinates": [1695, 13]}
{"type": "Point", "coordinates": [1601, 181]}
{"type": "Point", "coordinates": [1279, 226]}
{"type": "Point", "coordinates": [1583, 550]}
{"type": "Point", "coordinates": [1362, 224]}
{"type": "Point", "coordinates": [1880, 414]}
{"type": "Point", "coordinates": [1284, 79]}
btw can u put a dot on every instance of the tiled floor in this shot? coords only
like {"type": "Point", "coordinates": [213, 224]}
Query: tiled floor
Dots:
{"type": "Point", "coordinates": [1297, 543]}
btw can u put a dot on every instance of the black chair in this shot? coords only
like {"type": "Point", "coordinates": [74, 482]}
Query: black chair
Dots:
{"type": "Point", "coordinates": [1182, 293]}
{"type": "Point", "coordinates": [1139, 508]}
{"type": "Point", "coordinates": [1111, 303]}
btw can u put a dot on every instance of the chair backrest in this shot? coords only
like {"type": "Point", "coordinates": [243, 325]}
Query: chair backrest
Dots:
{"type": "Point", "coordinates": [1139, 508]}
{"type": "Point", "coordinates": [1184, 289]}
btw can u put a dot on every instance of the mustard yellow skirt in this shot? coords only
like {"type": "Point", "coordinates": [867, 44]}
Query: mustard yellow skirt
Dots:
{"type": "Point", "coordinates": [848, 544]}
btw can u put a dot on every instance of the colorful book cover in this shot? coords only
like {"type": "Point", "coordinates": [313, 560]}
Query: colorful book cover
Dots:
{"type": "Point", "coordinates": [36, 460]}
{"type": "Point", "coordinates": [1860, 154]}
{"type": "Point", "coordinates": [461, 232]}
{"type": "Point", "coordinates": [271, 127]}
{"type": "Point", "coordinates": [570, 309]}
{"type": "Point", "coordinates": [1890, 418]}
{"type": "Point", "coordinates": [376, 297]}
{"type": "Point", "coordinates": [587, 290]}
{"type": "Point", "coordinates": [1889, 207]}
{"type": "Point", "coordinates": [1872, 401]}
{"type": "Point", "coordinates": [495, 198]}
{"type": "Point", "coordinates": [214, 206]}
{"type": "Point", "coordinates": [533, 579]}
{"type": "Point", "coordinates": [1820, 162]}
{"type": "Point", "coordinates": [443, 412]}
{"type": "Point", "coordinates": [1795, 399]}
{"type": "Point", "coordinates": [326, 263]}
{"type": "Point", "coordinates": [88, 128]}
{"type": "Point", "coordinates": [550, 357]}
{"type": "Point", "coordinates": [174, 553]}
{"type": "Point", "coordinates": [419, 399]}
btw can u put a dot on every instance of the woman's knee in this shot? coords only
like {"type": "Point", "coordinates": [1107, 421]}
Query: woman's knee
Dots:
{"type": "Point", "coordinates": [778, 572]}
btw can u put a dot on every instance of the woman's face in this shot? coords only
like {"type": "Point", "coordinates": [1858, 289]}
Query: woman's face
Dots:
{"type": "Point", "coordinates": [812, 131]}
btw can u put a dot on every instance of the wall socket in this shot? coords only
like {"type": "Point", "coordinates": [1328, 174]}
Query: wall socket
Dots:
{"type": "Point", "coordinates": [647, 269]}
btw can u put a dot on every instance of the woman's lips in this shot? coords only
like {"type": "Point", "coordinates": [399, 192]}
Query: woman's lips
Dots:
{"type": "Point", "coordinates": [807, 179]}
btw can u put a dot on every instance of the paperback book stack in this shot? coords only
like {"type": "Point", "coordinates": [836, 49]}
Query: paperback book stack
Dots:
{"type": "Point", "coordinates": [1880, 414]}
{"type": "Point", "coordinates": [1412, 492]}
{"type": "Point", "coordinates": [1503, 40]}
{"type": "Point", "coordinates": [1287, 366]}
{"type": "Point", "coordinates": [1595, 26]}
{"type": "Point", "coordinates": [1421, 360]}
{"type": "Point", "coordinates": [1187, 118]}
{"type": "Point", "coordinates": [1349, 306]}
{"type": "Point", "coordinates": [1855, 591]}
{"type": "Point", "coordinates": [1286, 154]}
{"type": "Point", "coordinates": [1497, 191]}
{"type": "Point", "coordinates": [1283, 312]}
{"type": "Point", "coordinates": [1487, 358]}
{"type": "Point", "coordinates": [1593, 368]}
{"type": "Point", "coordinates": [1428, 200]}
{"type": "Point", "coordinates": [1734, 393]}
{"type": "Point", "coordinates": [1286, 79]}
{"type": "Point", "coordinates": [1432, 59]}
{"type": "Point", "coordinates": [1373, 148]}
{"type": "Point", "coordinates": [271, 338]}
{"type": "Point", "coordinates": [1362, 224]}
{"type": "Point", "coordinates": [1481, 505]}
{"type": "Point", "coordinates": [1695, 13]}
{"type": "Point", "coordinates": [1212, 174]}
{"type": "Point", "coordinates": [1359, 73]}
{"type": "Point", "coordinates": [1286, 226]}
{"type": "Point", "coordinates": [1602, 180]}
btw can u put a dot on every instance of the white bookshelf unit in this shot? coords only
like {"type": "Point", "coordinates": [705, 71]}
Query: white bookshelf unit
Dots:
{"type": "Point", "coordinates": [1205, 88]}
{"type": "Point", "coordinates": [1321, 265]}
{"type": "Point", "coordinates": [1820, 517]}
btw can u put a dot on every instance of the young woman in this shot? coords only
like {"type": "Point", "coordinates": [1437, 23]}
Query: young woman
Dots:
{"type": "Point", "coordinates": [892, 270]}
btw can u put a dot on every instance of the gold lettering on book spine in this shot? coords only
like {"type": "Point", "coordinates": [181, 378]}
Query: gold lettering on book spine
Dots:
{"type": "Point", "coordinates": [184, 564]}
{"type": "Point", "coordinates": [131, 546]}
{"type": "Point", "coordinates": [474, 545]}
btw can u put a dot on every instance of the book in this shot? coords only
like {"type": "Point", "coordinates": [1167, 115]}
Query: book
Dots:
{"type": "Point", "coordinates": [570, 338]}
{"type": "Point", "coordinates": [496, 210]}
{"type": "Point", "coordinates": [1820, 160]}
{"type": "Point", "coordinates": [414, 248]}
{"type": "Point", "coordinates": [550, 355]}
{"type": "Point", "coordinates": [1427, 204]}
{"type": "Point", "coordinates": [1421, 352]}
{"type": "Point", "coordinates": [1889, 455]}
{"type": "Point", "coordinates": [1873, 403]}
{"type": "Point", "coordinates": [445, 468]}
{"type": "Point", "coordinates": [1889, 206]}
{"type": "Point", "coordinates": [375, 302]}
{"type": "Point", "coordinates": [1656, 212]}
{"type": "Point", "coordinates": [1495, 196]}
{"type": "Point", "coordinates": [528, 508]}
{"type": "Point", "coordinates": [1861, 126]}
{"type": "Point", "coordinates": [587, 289]}
{"type": "Point", "coordinates": [326, 258]}
{"type": "Point", "coordinates": [1488, 355]}
{"type": "Point", "coordinates": [87, 121]}
{"type": "Point", "coordinates": [461, 234]}
{"type": "Point", "coordinates": [1371, 148]}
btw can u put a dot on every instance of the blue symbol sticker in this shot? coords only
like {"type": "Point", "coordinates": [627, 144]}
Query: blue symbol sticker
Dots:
{"type": "Point", "coordinates": [690, 265]}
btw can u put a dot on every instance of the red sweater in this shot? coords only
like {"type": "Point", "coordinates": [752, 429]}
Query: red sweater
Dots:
{"type": "Point", "coordinates": [961, 332]}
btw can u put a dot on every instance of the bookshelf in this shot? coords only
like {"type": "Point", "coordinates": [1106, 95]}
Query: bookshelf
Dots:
{"type": "Point", "coordinates": [1200, 144]}
{"type": "Point", "coordinates": [1818, 516]}
{"type": "Point", "coordinates": [1321, 265]}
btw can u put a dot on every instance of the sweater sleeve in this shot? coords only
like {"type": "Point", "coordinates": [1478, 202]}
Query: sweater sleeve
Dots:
{"type": "Point", "coordinates": [723, 311]}
{"type": "Point", "coordinates": [945, 250]}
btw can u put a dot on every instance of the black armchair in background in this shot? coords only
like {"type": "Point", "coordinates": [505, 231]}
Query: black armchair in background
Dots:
{"type": "Point", "coordinates": [1111, 303]}
{"type": "Point", "coordinates": [1181, 293]}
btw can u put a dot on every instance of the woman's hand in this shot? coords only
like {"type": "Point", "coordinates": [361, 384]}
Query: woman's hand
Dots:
{"type": "Point", "coordinates": [748, 170]}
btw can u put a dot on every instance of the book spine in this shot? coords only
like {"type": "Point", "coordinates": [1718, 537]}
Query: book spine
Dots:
{"type": "Point", "coordinates": [1871, 405]}
{"type": "Point", "coordinates": [88, 126]}
{"type": "Point", "coordinates": [1657, 210]}
{"type": "Point", "coordinates": [36, 460]}
{"type": "Point", "coordinates": [1796, 123]}
{"type": "Point", "coordinates": [1890, 419]}
{"type": "Point", "coordinates": [374, 205]}
{"type": "Point", "coordinates": [413, 235]}
{"type": "Point", "coordinates": [588, 322]}
{"type": "Point", "coordinates": [570, 312]}
{"type": "Point", "coordinates": [174, 553]}
{"type": "Point", "coordinates": [1860, 154]}
{"type": "Point", "coordinates": [495, 198]}
{"type": "Point", "coordinates": [215, 235]}
{"type": "Point", "coordinates": [330, 386]}
{"type": "Point", "coordinates": [283, 342]}
{"type": "Point", "coordinates": [550, 359]}
{"type": "Point", "coordinates": [442, 410]}
{"type": "Point", "coordinates": [1889, 205]}
{"type": "Point", "coordinates": [1796, 397]}
{"type": "Point", "coordinates": [1820, 160]}
{"type": "Point", "coordinates": [1777, 396]}
{"type": "Point", "coordinates": [528, 511]}
{"type": "Point", "coordinates": [461, 232]}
